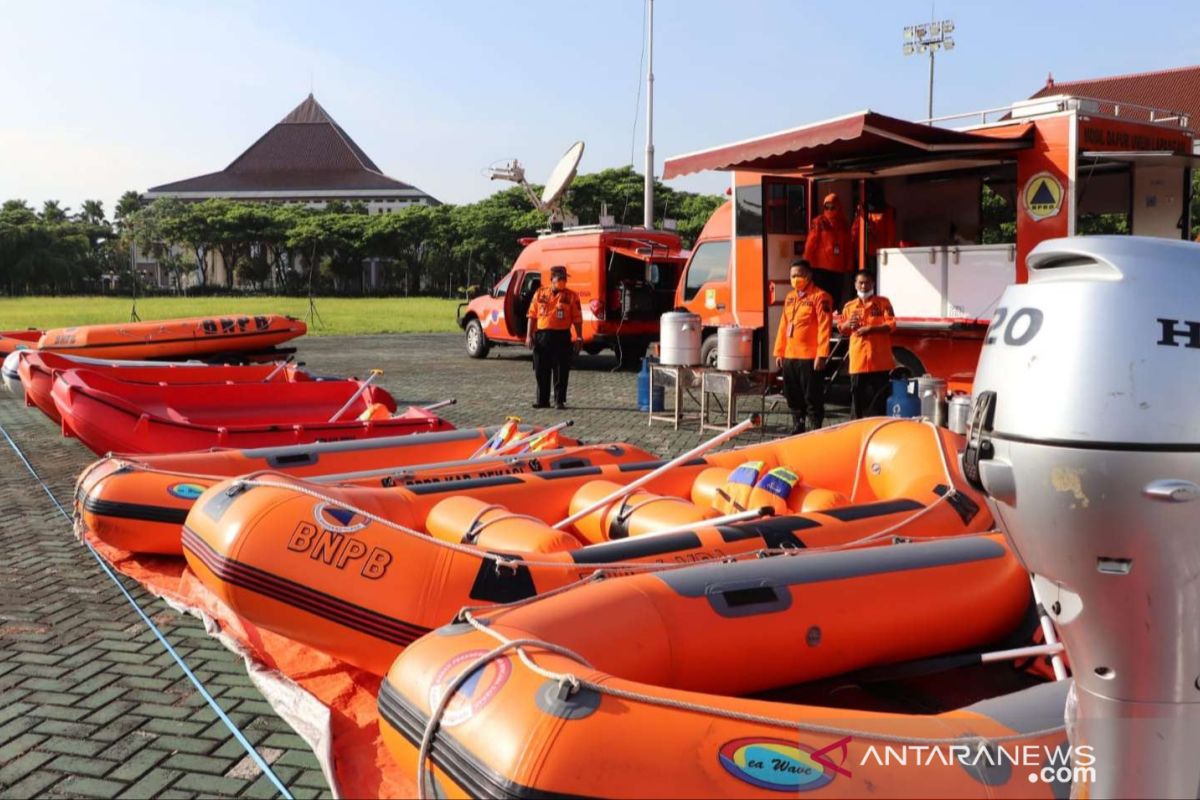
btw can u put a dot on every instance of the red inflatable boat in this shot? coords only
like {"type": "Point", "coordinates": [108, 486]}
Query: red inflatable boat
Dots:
{"type": "Point", "coordinates": [37, 371]}
{"type": "Point", "coordinates": [114, 416]}
{"type": "Point", "coordinates": [18, 340]}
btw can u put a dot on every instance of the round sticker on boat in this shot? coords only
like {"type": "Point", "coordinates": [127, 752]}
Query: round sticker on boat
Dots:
{"type": "Point", "coordinates": [776, 764]}
{"type": "Point", "coordinates": [475, 692]}
{"type": "Point", "coordinates": [185, 491]}
{"type": "Point", "coordinates": [338, 519]}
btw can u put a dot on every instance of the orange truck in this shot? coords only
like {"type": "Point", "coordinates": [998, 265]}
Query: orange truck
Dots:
{"type": "Point", "coordinates": [966, 206]}
{"type": "Point", "coordinates": [625, 278]}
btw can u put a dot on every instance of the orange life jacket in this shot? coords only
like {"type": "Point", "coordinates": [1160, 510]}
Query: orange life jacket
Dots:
{"type": "Point", "coordinates": [734, 496]}
{"type": "Point", "coordinates": [774, 490]}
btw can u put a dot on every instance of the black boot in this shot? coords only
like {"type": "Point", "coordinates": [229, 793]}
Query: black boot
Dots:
{"type": "Point", "coordinates": [797, 425]}
{"type": "Point", "coordinates": [815, 423]}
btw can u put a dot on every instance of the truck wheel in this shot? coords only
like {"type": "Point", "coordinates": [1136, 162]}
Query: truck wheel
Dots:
{"type": "Point", "coordinates": [708, 352]}
{"type": "Point", "coordinates": [477, 343]}
{"type": "Point", "coordinates": [907, 358]}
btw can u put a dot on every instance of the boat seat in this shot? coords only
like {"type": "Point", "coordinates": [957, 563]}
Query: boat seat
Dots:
{"type": "Point", "coordinates": [638, 513]}
{"type": "Point", "coordinates": [466, 520]}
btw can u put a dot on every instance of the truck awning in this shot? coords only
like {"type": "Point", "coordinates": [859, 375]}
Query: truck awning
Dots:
{"type": "Point", "coordinates": [854, 142]}
{"type": "Point", "coordinates": [1154, 158]}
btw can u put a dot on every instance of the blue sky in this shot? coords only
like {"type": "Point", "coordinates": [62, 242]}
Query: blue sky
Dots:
{"type": "Point", "coordinates": [98, 97]}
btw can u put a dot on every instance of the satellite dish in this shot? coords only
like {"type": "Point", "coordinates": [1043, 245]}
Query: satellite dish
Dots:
{"type": "Point", "coordinates": [562, 175]}
{"type": "Point", "coordinates": [560, 178]}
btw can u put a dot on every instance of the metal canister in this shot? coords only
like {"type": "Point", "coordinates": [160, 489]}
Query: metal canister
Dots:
{"type": "Point", "coordinates": [932, 392]}
{"type": "Point", "coordinates": [679, 334]}
{"type": "Point", "coordinates": [959, 413]}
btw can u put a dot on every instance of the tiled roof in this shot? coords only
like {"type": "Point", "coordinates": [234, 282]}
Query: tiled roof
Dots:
{"type": "Point", "coordinates": [306, 150]}
{"type": "Point", "coordinates": [1169, 89]}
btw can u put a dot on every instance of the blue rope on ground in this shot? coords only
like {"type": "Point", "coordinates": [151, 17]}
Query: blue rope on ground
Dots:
{"type": "Point", "coordinates": [233, 728]}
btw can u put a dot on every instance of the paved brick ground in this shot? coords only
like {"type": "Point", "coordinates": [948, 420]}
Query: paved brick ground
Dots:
{"type": "Point", "coordinates": [91, 704]}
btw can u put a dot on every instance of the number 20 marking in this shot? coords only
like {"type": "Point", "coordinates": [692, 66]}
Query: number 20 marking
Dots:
{"type": "Point", "coordinates": [1011, 337]}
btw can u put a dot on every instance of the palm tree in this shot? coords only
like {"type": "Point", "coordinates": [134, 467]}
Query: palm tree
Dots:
{"type": "Point", "coordinates": [129, 203]}
{"type": "Point", "coordinates": [92, 212]}
{"type": "Point", "coordinates": [52, 211]}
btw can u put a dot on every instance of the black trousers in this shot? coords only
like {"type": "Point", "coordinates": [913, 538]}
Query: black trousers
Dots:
{"type": "Point", "coordinates": [868, 394]}
{"type": "Point", "coordinates": [833, 282]}
{"type": "Point", "coordinates": [804, 388]}
{"type": "Point", "coordinates": [552, 351]}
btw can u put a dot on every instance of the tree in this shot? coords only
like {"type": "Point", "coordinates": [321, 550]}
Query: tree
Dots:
{"type": "Point", "coordinates": [129, 204]}
{"type": "Point", "coordinates": [52, 211]}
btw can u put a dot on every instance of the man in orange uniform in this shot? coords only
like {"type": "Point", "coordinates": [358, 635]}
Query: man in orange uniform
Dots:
{"type": "Point", "coordinates": [801, 347]}
{"type": "Point", "coordinates": [553, 311]}
{"type": "Point", "coordinates": [827, 248]}
{"type": "Point", "coordinates": [869, 321]}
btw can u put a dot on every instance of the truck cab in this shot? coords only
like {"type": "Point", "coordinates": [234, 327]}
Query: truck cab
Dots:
{"type": "Point", "coordinates": [625, 278]}
{"type": "Point", "coordinates": [964, 207]}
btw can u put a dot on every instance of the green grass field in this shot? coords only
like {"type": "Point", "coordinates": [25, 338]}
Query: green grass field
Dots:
{"type": "Point", "coordinates": [340, 316]}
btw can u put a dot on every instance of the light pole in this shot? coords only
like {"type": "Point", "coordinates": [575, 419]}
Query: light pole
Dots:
{"type": "Point", "coordinates": [929, 37]}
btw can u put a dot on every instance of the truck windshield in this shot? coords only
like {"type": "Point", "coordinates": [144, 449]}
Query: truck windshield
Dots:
{"type": "Point", "coordinates": [502, 287]}
{"type": "Point", "coordinates": [710, 263]}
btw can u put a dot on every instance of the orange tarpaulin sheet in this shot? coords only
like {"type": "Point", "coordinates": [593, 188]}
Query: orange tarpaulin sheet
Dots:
{"type": "Point", "coordinates": [356, 757]}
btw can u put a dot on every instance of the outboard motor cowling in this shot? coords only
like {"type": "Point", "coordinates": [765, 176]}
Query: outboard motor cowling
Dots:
{"type": "Point", "coordinates": [1085, 434]}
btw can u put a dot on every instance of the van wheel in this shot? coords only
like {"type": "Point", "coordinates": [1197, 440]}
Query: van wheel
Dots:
{"type": "Point", "coordinates": [708, 352]}
{"type": "Point", "coordinates": [477, 343]}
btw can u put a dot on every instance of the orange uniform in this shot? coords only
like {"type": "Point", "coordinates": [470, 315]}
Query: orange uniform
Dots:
{"type": "Point", "coordinates": [555, 311]}
{"type": "Point", "coordinates": [870, 352]}
{"type": "Point", "coordinates": [806, 324]}
{"type": "Point", "coordinates": [881, 230]}
{"type": "Point", "coordinates": [828, 243]}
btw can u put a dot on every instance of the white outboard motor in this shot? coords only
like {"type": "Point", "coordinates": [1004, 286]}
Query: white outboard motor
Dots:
{"type": "Point", "coordinates": [1085, 434]}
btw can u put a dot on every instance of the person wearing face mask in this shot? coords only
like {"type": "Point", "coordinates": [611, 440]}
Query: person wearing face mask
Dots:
{"type": "Point", "coordinates": [869, 321]}
{"type": "Point", "coordinates": [553, 311]}
{"type": "Point", "coordinates": [802, 346]}
{"type": "Point", "coordinates": [828, 249]}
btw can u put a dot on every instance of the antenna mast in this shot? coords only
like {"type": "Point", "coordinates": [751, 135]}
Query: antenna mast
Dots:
{"type": "Point", "coordinates": [648, 213]}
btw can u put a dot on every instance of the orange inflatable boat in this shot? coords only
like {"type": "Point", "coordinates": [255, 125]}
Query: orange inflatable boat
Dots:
{"type": "Point", "coordinates": [793, 674]}
{"type": "Point", "coordinates": [139, 503]}
{"type": "Point", "coordinates": [175, 338]}
{"type": "Point", "coordinates": [361, 572]}
{"type": "Point", "coordinates": [38, 369]}
{"type": "Point", "coordinates": [11, 341]}
{"type": "Point", "coordinates": [114, 416]}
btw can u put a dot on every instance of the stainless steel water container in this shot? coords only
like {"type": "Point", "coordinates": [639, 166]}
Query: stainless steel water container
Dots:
{"type": "Point", "coordinates": [932, 392]}
{"type": "Point", "coordinates": [735, 349]}
{"type": "Point", "coordinates": [679, 337]}
{"type": "Point", "coordinates": [958, 413]}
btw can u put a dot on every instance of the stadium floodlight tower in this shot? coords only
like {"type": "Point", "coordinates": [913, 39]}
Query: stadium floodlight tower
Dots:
{"type": "Point", "coordinates": [550, 201]}
{"type": "Point", "coordinates": [929, 37]}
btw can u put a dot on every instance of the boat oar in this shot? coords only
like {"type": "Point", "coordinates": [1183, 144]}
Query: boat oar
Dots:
{"type": "Point", "coordinates": [442, 465]}
{"type": "Point", "coordinates": [439, 404]}
{"type": "Point", "coordinates": [727, 519]}
{"type": "Point", "coordinates": [375, 373]}
{"type": "Point", "coordinates": [270, 377]}
{"type": "Point", "coordinates": [932, 666]}
{"type": "Point", "coordinates": [629, 488]}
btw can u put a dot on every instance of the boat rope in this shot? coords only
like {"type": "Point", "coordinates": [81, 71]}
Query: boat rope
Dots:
{"type": "Point", "coordinates": [572, 683]}
{"type": "Point", "coordinates": [439, 710]}
{"type": "Point", "coordinates": [253, 753]}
